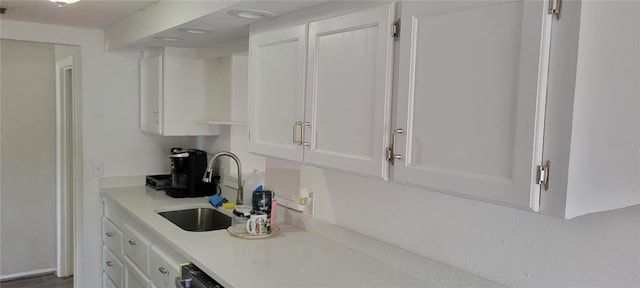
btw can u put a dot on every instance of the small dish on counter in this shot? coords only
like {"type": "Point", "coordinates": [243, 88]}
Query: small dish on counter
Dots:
{"type": "Point", "coordinates": [246, 235]}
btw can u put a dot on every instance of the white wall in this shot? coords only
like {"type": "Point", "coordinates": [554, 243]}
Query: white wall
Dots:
{"type": "Point", "coordinates": [506, 245]}
{"type": "Point", "coordinates": [109, 80]}
{"type": "Point", "coordinates": [28, 156]}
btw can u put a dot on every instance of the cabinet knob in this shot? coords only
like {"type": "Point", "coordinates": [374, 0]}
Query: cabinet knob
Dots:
{"type": "Point", "coordinates": [109, 234]}
{"type": "Point", "coordinates": [109, 263]}
{"type": "Point", "coordinates": [133, 242]}
{"type": "Point", "coordinates": [163, 271]}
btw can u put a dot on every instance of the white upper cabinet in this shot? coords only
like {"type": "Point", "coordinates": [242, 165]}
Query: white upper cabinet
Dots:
{"type": "Point", "coordinates": [469, 98]}
{"type": "Point", "coordinates": [490, 92]}
{"type": "Point", "coordinates": [151, 94]}
{"type": "Point", "coordinates": [276, 91]}
{"type": "Point", "coordinates": [592, 121]}
{"type": "Point", "coordinates": [173, 93]}
{"type": "Point", "coordinates": [487, 93]}
{"type": "Point", "coordinates": [348, 99]}
{"type": "Point", "coordinates": [337, 120]}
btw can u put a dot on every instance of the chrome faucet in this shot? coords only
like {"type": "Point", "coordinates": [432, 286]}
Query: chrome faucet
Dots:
{"type": "Point", "coordinates": [208, 174]}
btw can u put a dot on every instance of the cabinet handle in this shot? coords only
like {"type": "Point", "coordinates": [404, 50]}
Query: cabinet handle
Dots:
{"type": "Point", "coordinates": [163, 271]}
{"type": "Point", "coordinates": [109, 263]}
{"type": "Point", "coordinates": [305, 124]}
{"type": "Point", "coordinates": [133, 242]}
{"type": "Point", "coordinates": [109, 234]}
{"type": "Point", "coordinates": [295, 125]}
{"type": "Point", "coordinates": [155, 115]}
{"type": "Point", "coordinates": [391, 151]}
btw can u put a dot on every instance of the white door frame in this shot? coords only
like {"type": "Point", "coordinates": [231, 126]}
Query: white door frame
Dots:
{"type": "Point", "coordinates": [65, 176]}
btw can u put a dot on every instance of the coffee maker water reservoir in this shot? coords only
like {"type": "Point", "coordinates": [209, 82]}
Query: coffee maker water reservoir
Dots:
{"type": "Point", "coordinates": [187, 169]}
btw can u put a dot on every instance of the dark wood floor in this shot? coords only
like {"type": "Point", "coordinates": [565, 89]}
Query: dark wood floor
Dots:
{"type": "Point", "coordinates": [42, 281]}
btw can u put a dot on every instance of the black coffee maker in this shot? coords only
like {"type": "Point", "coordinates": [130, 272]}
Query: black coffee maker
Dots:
{"type": "Point", "coordinates": [187, 169]}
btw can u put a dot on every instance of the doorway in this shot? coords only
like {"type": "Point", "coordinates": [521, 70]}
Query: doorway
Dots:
{"type": "Point", "coordinates": [65, 188]}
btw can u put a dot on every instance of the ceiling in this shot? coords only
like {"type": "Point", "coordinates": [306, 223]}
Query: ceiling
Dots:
{"type": "Point", "coordinates": [94, 14]}
{"type": "Point", "coordinates": [101, 14]}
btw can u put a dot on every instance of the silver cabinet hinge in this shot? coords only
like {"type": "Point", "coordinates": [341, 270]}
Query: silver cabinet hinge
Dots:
{"type": "Point", "coordinates": [554, 8]}
{"type": "Point", "coordinates": [395, 30]}
{"type": "Point", "coordinates": [543, 175]}
{"type": "Point", "coordinates": [391, 155]}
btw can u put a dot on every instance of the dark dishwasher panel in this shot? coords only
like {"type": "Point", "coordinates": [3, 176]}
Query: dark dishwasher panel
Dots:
{"type": "Point", "coordinates": [193, 277]}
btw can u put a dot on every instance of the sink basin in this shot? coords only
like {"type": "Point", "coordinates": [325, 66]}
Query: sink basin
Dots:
{"type": "Point", "coordinates": [198, 219]}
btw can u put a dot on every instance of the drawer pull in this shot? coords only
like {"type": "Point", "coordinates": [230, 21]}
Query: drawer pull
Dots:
{"type": "Point", "coordinates": [163, 271]}
{"type": "Point", "coordinates": [109, 263]}
{"type": "Point", "coordinates": [109, 234]}
{"type": "Point", "coordinates": [133, 242]}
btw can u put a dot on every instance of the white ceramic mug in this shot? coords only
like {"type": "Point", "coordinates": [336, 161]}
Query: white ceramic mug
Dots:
{"type": "Point", "coordinates": [257, 224]}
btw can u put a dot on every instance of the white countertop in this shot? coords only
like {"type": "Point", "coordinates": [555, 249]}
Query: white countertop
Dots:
{"type": "Point", "coordinates": [291, 258]}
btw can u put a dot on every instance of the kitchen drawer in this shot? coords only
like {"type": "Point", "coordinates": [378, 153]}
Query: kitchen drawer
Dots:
{"type": "Point", "coordinates": [163, 270]}
{"type": "Point", "coordinates": [112, 237]}
{"type": "Point", "coordinates": [106, 282]}
{"type": "Point", "coordinates": [134, 277]}
{"type": "Point", "coordinates": [111, 265]}
{"type": "Point", "coordinates": [136, 247]}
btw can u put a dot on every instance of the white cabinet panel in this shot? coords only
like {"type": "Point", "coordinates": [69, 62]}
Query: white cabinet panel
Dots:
{"type": "Point", "coordinates": [276, 91]}
{"type": "Point", "coordinates": [592, 123]}
{"type": "Point", "coordinates": [349, 91]}
{"type": "Point", "coordinates": [107, 283]}
{"type": "Point", "coordinates": [136, 247]}
{"type": "Point", "coordinates": [112, 266]}
{"type": "Point", "coordinates": [469, 98]}
{"type": "Point", "coordinates": [134, 277]}
{"type": "Point", "coordinates": [151, 94]}
{"type": "Point", "coordinates": [162, 269]}
{"type": "Point", "coordinates": [112, 237]}
{"type": "Point", "coordinates": [173, 93]}
{"type": "Point", "coordinates": [327, 105]}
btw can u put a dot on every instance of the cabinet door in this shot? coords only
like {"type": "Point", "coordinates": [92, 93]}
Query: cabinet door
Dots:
{"type": "Point", "coordinates": [106, 282]}
{"type": "Point", "coordinates": [136, 247]}
{"type": "Point", "coordinates": [349, 79]}
{"type": "Point", "coordinates": [162, 269]}
{"type": "Point", "coordinates": [276, 91]}
{"type": "Point", "coordinates": [151, 94]}
{"type": "Point", "coordinates": [111, 266]}
{"type": "Point", "coordinates": [471, 89]}
{"type": "Point", "coordinates": [112, 237]}
{"type": "Point", "coordinates": [134, 277]}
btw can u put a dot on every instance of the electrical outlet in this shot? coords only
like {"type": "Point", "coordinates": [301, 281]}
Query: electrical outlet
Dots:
{"type": "Point", "coordinates": [308, 207]}
{"type": "Point", "coordinates": [98, 168]}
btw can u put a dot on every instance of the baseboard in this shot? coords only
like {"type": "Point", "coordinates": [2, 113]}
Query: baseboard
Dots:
{"type": "Point", "coordinates": [27, 274]}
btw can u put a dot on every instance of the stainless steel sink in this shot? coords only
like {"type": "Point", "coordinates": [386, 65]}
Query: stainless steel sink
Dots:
{"type": "Point", "coordinates": [198, 219]}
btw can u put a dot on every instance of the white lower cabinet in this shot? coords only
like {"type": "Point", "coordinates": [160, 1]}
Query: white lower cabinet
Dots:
{"type": "Point", "coordinates": [133, 256]}
{"type": "Point", "coordinates": [112, 266]}
{"type": "Point", "coordinates": [136, 247]}
{"type": "Point", "coordinates": [133, 276]}
{"type": "Point", "coordinates": [107, 282]}
{"type": "Point", "coordinates": [163, 270]}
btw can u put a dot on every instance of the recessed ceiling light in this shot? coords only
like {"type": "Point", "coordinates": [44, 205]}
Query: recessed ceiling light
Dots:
{"type": "Point", "coordinates": [251, 13]}
{"type": "Point", "coordinates": [194, 30]}
{"type": "Point", "coordinates": [62, 2]}
{"type": "Point", "coordinates": [173, 39]}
